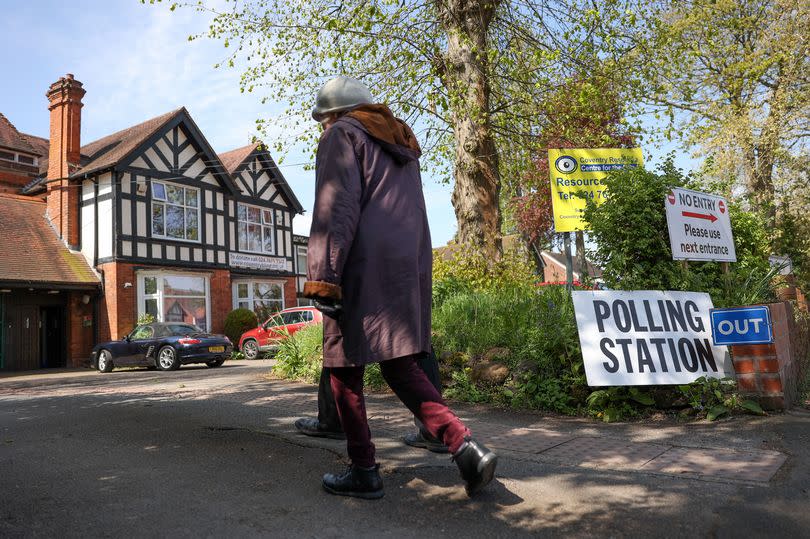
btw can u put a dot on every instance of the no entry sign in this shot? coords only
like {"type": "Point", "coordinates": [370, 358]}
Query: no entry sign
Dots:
{"type": "Point", "coordinates": [647, 338]}
{"type": "Point", "coordinates": [699, 226]}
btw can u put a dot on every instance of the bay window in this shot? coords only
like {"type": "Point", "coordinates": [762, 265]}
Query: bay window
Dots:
{"type": "Point", "coordinates": [175, 297]}
{"type": "Point", "coordinates": [175, 211]}
{"type": "Point", "coordinates": [262, 297]}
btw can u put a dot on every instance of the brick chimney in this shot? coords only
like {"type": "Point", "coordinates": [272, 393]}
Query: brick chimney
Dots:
{"type": "Point", "coordinates": [65, 104]}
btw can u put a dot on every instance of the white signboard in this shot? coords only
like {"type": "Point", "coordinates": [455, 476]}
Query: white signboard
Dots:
{"type": "Point", "coordinates": [699, 226]}
{"type": "Point", "coordinates": [242, 260]}
{"type": "Point", "coordinates": [647, 337]}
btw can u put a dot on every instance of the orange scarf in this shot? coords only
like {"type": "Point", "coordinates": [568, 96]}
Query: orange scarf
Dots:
{"type": "Point", "coordinates": [381, 124]}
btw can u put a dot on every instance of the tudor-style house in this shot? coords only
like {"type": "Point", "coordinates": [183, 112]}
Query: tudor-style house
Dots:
{"type": "Point", "coordinates": [167, 226]}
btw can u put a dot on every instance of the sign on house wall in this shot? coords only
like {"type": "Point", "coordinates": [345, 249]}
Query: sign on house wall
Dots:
{"type": "Point", "coordinates": [242, 260]}
{"type": "Point", "coordinates": [699, 226]}
{"type": "Point", "coordinates": [575, 171]}
{"type": "Point", "coordinates": [647, 338]}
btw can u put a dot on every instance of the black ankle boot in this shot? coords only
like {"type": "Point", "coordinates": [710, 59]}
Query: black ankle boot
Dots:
{"type": "Point", "coordinates": [476, 464]}
{"type": "Point", "coordinates": [356, 482]}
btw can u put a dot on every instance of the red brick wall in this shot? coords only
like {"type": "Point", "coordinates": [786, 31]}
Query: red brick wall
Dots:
{"type": "Point", "coordinates": [79, 335]}
{"type": "Point", "coordinates": [221, 299]}
{"type": "Point", "coordinates": [118, 310]}
{"type": "Point", "coordinates": [290, 292]}
{"type": "Point", "coordinates": [553, 273]}
{"type": "Point", "coordinates": [769, 372]}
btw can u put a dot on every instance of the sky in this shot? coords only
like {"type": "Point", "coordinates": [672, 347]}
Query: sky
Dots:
{"type": "Point", "coordinates": [136, 62]}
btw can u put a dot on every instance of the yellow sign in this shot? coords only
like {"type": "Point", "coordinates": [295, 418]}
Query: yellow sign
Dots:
{"type": "Point", "coordinates": [583, 170]}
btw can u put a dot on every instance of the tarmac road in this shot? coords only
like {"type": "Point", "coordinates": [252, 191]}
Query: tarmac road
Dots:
{"type": "Point", "coordinates": [211, 453]}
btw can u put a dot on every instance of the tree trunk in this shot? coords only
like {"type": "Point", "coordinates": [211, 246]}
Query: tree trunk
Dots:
{"type": "Point", "coordinates": [476, 193]}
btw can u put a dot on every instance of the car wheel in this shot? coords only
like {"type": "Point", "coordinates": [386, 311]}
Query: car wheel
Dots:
{"type": "Point", "coordinates": [105, 362]}
{"type": "Point", "coordinates": [250, 349]}
{"type": "Point", "coordinates": [167, 359]}
{"type": "Point", "coordinates": [216, 363]}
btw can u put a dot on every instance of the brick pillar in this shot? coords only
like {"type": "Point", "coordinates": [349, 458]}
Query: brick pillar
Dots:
{"type": "Point", "coordinates": [769, 372]}
{"type": "Point", "coordinates": [221, 299]}
{"type": "Point", "coordinates": [290, 292]}
{"type": "Point", "coordinates": [65, 105]}
{"type": "Point", "coordinates": [118, 310]}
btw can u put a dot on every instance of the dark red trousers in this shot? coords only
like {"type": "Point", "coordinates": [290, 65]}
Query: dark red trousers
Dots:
{"type": "Point", "coordinates": [412, 387]}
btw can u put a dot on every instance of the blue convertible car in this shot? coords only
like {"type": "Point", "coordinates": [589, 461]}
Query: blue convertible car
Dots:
{"type": "Point", "coordinates": [162, 345]}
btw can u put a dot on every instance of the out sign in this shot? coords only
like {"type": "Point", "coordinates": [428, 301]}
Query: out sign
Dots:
{"type": "Point", "coordinates": [741, 325]}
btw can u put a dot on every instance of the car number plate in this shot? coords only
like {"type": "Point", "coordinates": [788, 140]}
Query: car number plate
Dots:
{"type": "Point", "coordinates": [216, 349]}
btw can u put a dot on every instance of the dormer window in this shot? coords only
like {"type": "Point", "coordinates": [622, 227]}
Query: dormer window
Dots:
{"type": "Point", "coordinates": [18, 157]}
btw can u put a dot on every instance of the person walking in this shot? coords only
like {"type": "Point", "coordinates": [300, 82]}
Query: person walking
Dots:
{"type": "Point", "coordinates": [369, 271]}
{"type": "Point", "coordinates": [327, 423]}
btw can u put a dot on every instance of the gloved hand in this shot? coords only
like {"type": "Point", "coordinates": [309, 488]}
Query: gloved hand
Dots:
{"type": "Point", "coordinates": [329, 307]}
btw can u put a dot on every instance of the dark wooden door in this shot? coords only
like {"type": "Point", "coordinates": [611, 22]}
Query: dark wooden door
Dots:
{"type": "Point", "coordinates": [23, 333]}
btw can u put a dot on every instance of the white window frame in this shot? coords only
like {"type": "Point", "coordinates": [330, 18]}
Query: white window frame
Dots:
{"type": "Point", "coordinates": [165, 202]}
{"type": "Point", "coordinates": [250, 282]}
{"type": "Point", "coordinates": [298, 268]}
{"type": "Point", "coordinates": [261, 226]}
{"type": "Point", "coordinates": [159, 295]}
{"type": "Point", "coordinates": [33, 157]}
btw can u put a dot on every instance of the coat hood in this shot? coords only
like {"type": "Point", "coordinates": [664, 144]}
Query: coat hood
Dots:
{"type": "Point", "coordinates": [393, 134]}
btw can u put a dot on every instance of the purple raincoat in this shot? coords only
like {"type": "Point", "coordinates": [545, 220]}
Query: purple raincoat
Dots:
{"type": "Point", "coordinates": [369, 245]}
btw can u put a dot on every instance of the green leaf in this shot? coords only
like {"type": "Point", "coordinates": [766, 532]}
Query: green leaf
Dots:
{"type": "Point", "coordinates": [716, 412]}
{"type": "Point", "coordinates": [642, 398]}
{"type": "Point", "coordinates": [752, 406]}
{"type": "Point", "coordinates": [611, 415]}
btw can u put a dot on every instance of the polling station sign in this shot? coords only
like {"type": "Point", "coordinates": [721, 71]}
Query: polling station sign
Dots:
{"type": "Point", "coordinates": [699, 226]}
{"type": "Point", "coordinates": [647, 337]}
{"type": "Point", "coordinates": [574, 171]}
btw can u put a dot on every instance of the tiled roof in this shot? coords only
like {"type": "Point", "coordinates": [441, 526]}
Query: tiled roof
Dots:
{"type": "Point", "coordinates": [40, 145]}
{"type": "Point", "coordinates": [31, 252]}
{"type": "Point", "coordinates": [107, 151]}
{"type": "Point", "coordinates": [232, 159]}
{"type": "Point", "coordinates": [11, 138]}
{"type": "Point", "coordinates": [559, 258]}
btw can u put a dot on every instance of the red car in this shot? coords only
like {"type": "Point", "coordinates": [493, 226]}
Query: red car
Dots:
{"type": "Point", "coordinates": [266, 337]}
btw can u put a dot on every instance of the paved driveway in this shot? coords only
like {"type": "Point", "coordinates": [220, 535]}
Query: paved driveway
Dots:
{"type": "Point", "coordinates": [211, 452]}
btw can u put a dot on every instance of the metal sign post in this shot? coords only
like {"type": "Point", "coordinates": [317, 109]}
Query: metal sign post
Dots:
{"type": "Point", "coordinates": [569, 262]}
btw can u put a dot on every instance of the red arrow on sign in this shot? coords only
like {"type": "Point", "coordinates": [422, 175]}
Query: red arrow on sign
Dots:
{"type": "Point", "coordinates": [707, 216]}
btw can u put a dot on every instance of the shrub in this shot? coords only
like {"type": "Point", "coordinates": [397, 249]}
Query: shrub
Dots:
{"type": "Point", "coordinates": [300, 356]}
{"type": "Point", "coordinates": [536, 324]}
{"type": "Point", "coordinates": [239, 321]}
{"type": "Point", "coordinates": [467, 269]}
